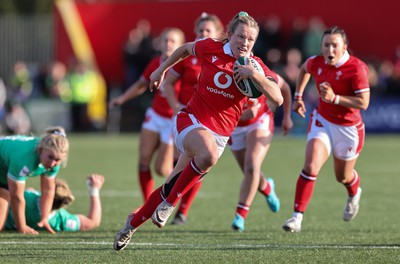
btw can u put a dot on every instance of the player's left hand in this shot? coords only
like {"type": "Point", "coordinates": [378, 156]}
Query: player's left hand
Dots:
{"type": "Point", "coordinates": [326, 92]}
{"type": "Point", "coordinates": [241, 72]}
{"type": "Point", "coordinates": [44, 223]}
{"type": "Point", "coordinates": [95, 180]}
{"type": "Point", "coordinates": [156, 79]}
{"type": "Point", "coordinates": [287, 125]}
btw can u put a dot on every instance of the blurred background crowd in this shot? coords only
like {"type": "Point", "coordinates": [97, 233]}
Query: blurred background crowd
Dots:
{"type": "Point", "coordinates": [75, 92]}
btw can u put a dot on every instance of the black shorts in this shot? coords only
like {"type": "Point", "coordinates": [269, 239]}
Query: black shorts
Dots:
{"type": "Point", "coordinates": [4, 186]}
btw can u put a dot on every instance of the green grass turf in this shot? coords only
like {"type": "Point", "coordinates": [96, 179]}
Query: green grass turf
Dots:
{"type": "Point", "coordinates": [373, 237]}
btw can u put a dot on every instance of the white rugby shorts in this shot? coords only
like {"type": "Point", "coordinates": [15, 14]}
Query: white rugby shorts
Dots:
{"type": "Point", "coordinates": [159, 124]}
{"type": "Point", "coordinates": [184, 123]}
{"type": "Point", "coordinates": [345, 141]}
{"type": "Point", "coordinates": [237, 141]}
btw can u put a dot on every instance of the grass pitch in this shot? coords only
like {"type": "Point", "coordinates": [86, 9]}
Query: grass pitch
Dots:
{"type": "Point", "coordinates": [372, 237]}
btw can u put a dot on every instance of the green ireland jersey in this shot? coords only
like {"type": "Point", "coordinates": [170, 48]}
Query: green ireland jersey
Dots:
{"type": "Point", "coordinates": [59, 220]}
{"type": "Point", "coordinates": [19, 159]}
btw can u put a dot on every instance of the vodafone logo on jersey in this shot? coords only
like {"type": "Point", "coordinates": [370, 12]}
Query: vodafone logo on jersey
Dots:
{"type": "Point", "coordinates": [222, 80]}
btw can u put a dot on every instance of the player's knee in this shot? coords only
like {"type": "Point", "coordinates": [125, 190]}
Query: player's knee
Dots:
{"type": "Point", "coordinates": [249, 171]}
{"type": "Point", "coordinates": [144, 167]}
{"type": "Point", "coordinates": [163, 171]}
{"type": "Point", "coordinates": [207, 159]}
{"type": "Point", "coordinates": [311, 169]}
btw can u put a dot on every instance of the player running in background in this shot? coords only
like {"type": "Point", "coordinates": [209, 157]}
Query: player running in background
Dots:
{"type": "Point", "coordinates": [202, 128]}
{"type": "Point", "coordinates": [155, 134]}
{"type": "Point", "coordinates": [249, 143]}
{"type": "Point", "coordinates": [188, 71]}
{"type": "Point", "coordinates": [22, 157]}
{"type": "Point", "coordinates": [336, 125]}
{"type": "Point", "coordinates": [60, 219]}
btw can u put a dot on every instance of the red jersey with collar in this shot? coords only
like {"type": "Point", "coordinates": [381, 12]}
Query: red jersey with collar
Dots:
{"type": "Point", "coordinates": [160, 104]}
{"type": "Point", "coordinates": [217, 103]}
{"type": "Point", "coordinates": [188, 72]}
{"type": "Point", "coordinates": [348, 78]}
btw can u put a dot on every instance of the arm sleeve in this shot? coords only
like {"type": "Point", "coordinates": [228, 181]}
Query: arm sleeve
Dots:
{"type": "Point", "coordinates": [62, 220]}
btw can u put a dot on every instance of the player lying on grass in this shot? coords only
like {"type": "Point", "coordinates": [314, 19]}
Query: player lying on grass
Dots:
{"type": "Point", "coordinates": [60, 219]}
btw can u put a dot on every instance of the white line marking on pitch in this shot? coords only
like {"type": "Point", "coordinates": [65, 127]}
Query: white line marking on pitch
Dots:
{"type": "Point", "coordinates": [211, 246]}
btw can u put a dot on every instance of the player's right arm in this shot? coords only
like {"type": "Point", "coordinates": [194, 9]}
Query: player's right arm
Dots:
{"type": "Point", "coordinates": [169, 89]}
{"type": "Point", "coordinates": [16, 190]}
{"type": "Point", "coordinates": [47, 188]}
{"type": "Point", "coordinates": [302, 80]}
{"type": "Point", "coordinates": [179, 54]}
{"type": "Point", "coordinates": [93, 218]}
{"type": "Point", "coordinates": [287, 123]}
{"type": "Point", "coordinates": [136, 89]}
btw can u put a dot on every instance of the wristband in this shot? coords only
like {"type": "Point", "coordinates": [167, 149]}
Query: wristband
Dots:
{"type": "Point", "coordinates": [298, 96]}
{"type": "Point", "coordinates": [94, 192]}
{"type": "Point", "coordinates": [336, 99]}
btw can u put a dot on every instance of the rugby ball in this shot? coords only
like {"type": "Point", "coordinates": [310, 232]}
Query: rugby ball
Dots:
{"type": "Point", "coordinates": [246, 86]}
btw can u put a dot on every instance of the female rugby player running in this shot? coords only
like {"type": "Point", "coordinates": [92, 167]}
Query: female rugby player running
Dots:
{"type": "Point", "coordinates": [336, 125]}
{"type": "Point", "coordinates": [202, 129]}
